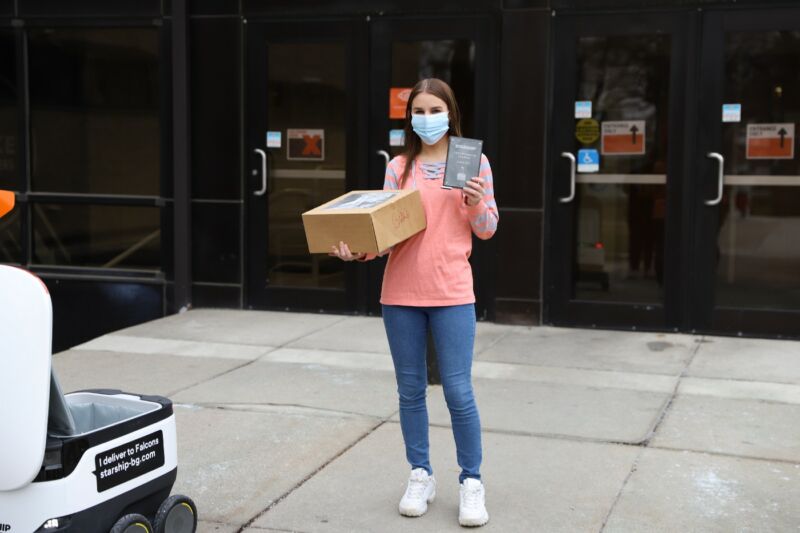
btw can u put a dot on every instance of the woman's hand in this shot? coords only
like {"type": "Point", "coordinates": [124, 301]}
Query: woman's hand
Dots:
{"type": "Point", "coordinates": [473, 191]}
{"type": "Point", "coordinates": [343, 252]}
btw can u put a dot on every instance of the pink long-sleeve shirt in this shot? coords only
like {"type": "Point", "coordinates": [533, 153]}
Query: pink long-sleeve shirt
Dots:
{"type": "Point", "coordinates": [432, 267]}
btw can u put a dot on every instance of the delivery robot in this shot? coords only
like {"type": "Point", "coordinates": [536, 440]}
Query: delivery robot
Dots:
{"type": "Point", "coordinates": [88, 462]}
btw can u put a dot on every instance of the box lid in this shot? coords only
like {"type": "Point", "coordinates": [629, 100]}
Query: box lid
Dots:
{"type": "Point", "coordinates": [358, 202]}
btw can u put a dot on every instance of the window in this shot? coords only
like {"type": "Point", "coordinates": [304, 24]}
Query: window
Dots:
{"type": "Point", "coordinates": [96, 129]}
{"type": "Point", "coordinates": [9, 144]}
{"type": "Point", "coordinates": [95, 139]}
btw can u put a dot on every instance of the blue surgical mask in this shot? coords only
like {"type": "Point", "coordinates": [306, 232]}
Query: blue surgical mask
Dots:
{"type": "Point", "coordinates": [430, 128]}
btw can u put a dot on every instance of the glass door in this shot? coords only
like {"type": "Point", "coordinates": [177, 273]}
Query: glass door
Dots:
{"type": "Point", "coordinates": [613, 251]}
{"type": "Point", "coordinates": [404, 51]}
{"type": "Point", "coordinates": [305, 99]}
{"type": "Point", "coordinates": [748, 179]}
{"type": "Point", "coordinates": [11, 243]}
{"type": "Point", "coordinates": [325, 112]}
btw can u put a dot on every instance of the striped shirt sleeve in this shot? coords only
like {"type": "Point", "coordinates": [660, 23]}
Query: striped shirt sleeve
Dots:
{"type": "Point", "coordinates": [391, 182]}
{"type": "Point", "coordinates": [483, 216]}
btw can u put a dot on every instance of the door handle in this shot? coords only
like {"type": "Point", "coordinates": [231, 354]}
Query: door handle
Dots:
{"type": "Point", "coordinates": [571, 196]}
{"type": "Point", "coordinates": [720, 177]}
{"type": "Point", "coordinates": [263, 189]}
{"type": "Point", "coordinates": [385, 155]}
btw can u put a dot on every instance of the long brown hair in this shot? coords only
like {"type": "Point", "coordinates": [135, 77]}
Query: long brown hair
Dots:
{"type": "Point", "coordinates": [413, 144]}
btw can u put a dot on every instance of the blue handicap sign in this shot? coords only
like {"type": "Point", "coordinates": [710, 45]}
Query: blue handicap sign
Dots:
{"type": "Point", "coordinates": [588, 161]}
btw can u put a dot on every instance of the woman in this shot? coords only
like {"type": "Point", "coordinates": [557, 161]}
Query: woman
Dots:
{"type": "Point", "coordinates": [428, 284]}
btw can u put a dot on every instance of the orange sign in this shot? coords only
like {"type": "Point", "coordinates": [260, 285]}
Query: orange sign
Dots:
{"type": "Point", "coordinates": [624, 137]}
{"type": "Point", "coordinates": [770, 141]}
{"type": "Point", "coordinates": [398, 101]}
{"type": "Point", "coordinates": [6, 202]}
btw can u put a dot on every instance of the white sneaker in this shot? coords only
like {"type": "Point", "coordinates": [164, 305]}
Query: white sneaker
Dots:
{"type": "Point", "coordinates": [420, 492]}
{"type": "Point", "coordinates": [472, 508]}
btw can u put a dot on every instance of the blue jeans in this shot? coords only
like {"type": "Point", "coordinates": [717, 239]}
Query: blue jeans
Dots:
{"type": "Point", "coordinates": [453, 329]}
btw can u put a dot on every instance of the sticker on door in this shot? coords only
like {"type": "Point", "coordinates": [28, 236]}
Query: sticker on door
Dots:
{"type": "Point", "coordinates": [273, 139]}
{"type": "Point", "coordinates": [583, 109]}
{"type": "Point", "coordinates": [731, 112]}
{"type": "Point", "coordinates": [625, 137]}
{"type": "Point", "coordinates": [398, 101]}
{"type": "Point", "coordinates": [397, 137]}
{"type": "Point", "coordinates": [587, 131]}
{"type": "Point", "coordinates": [305, 145]}
{"type": "Point", "coordinates": [770, 141]}
{"type": "Point", "coordinates": [588, 161]}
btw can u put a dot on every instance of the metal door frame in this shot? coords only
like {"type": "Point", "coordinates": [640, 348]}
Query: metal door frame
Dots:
{"type": "Point", "coordinates": [258, 33]}
{"type": "Point", "coordinates": [481, 29]}
{"type": "Point", "coordinates": [559, 308]}
{"type": "Point", "coordinates": [703, 316]}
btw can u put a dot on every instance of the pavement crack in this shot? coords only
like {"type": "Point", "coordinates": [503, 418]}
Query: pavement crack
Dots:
{"type": "Point", "coordinates": [172, 393]}
{"type": "Point", "coordinates": [286, 494]}
{"type": "Point", "coordinates": [327, 350]}
{"type": "Point", "coordinates": [770, 460]}
{"type": "Point", "coordinates": [493, 343]}
{"type": "Point", "coordinates": [648, 439]}
{"type": "Point", "coordinates": [618, 496]}
{"type": "Point", "coordinates": [254, 408]}
{"type": "Point", "coordinates": [253, 361]}
{"type": "Point", "coordinates": [672, 397]}
{"type": "Point", "coordinates": [577, 367]}
{"type": "Point", "coordinates": [324, 328]}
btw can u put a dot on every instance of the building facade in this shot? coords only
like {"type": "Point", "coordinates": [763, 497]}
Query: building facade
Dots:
{"type": "Point", "coordinates": [644, 154]}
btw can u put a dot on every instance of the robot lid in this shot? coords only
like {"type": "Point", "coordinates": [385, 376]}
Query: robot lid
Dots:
{"type": "Point", "coordinates": [25, 359]}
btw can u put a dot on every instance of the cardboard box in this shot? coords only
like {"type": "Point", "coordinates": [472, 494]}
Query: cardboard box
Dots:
{"type": "Point", "coordinates": [367, 221]}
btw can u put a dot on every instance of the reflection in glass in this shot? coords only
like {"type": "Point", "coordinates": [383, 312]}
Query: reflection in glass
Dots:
{"type": "Point", "coordinates": [8, 112]}
{"type": "Point", "coordinates": [451, 60]}
{"type": "Point", "coordinates": [95, 129]}
{"type": "Point", "coordinates": [11, 236]}
{"type": "Point", "coordinates": [105, 236]}
{"type": "Point", "coordinates": [215, 243]}
{"type": "Point", "coordinates": [215, 121]}
{"type": "Point", "coordinates": [306, 92]}
{"type": "Point", "coordinates": [619, 240]}
{"type": "Point", "coordinates": [758, 257]}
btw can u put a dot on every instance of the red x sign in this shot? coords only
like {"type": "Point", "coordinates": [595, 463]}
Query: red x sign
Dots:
{"type": "Point", "coordinates": [312, 145]}
{"type": "Point", "coordinates": [305, 144]}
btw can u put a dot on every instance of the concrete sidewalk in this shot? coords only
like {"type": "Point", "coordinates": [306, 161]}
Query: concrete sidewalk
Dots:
{"type": "Point", "coordinates": [288, 422]}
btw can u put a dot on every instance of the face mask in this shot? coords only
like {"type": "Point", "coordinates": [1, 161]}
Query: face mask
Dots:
{"type": "Point", "coordinates": [430, 128]}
